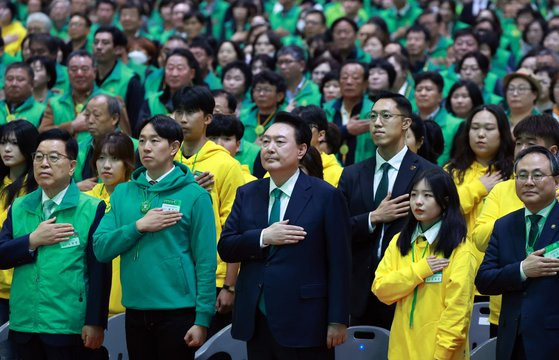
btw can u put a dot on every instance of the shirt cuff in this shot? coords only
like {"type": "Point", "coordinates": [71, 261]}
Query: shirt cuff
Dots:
{"type": "Point", "coordinates": [262, 245]}
{"type": "Point", "coordinates": [371, 226]}
{"type": "Point", "coordinates": [522, 275]}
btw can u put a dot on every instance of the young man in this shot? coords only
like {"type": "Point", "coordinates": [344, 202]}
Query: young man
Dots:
{"type": "Point", "coordinates": [194, 112]}
{"type": "Point", "coordinates": [274, 225]}
{"type": "Point", "coordinates": [539, 130]}
{"type": "Point", "coordinates": [60, 292]}
{"type": "Point", "coordinates": [162, 225]}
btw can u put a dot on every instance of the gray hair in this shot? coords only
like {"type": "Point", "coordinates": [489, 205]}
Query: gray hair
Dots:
{"type": "Point", "coordinates": [40, 17]}
{"type": "Point", "coordinates": [113, 105]}
{"type": "Point", "coordinates": [296, 51]}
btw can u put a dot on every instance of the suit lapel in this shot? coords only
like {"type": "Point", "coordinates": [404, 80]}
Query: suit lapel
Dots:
{"type": "Point", "coordinates": [299, 198]}
{"type": "Point", "coordinates": [518, 236]}
{"type": "Point", "coordinates": [366, 181]}
{"type": "Point", "coordinates": [261, 202]}
{"type": "Point", "coordinates": [407, 171]}
{"type": "Point", "coordinates": [549, 232]}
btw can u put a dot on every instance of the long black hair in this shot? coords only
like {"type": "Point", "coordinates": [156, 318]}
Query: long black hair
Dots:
{"type": "Point", "coordinates": [26, 137]}
{"type": "Point", "coordinates": [453, 226]}
{"type": "Point", "coordinates": [465, 156]}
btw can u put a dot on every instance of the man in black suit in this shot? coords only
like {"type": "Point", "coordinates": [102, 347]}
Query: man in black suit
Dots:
{"type": "Point", "coordinates": [377, 193]}
{"type": "Point", "coordinates": [291, 234]}
{"type": "Point", "coordinates": [517, 266]}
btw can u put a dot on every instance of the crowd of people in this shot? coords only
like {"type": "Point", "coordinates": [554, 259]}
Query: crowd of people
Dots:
{"type": "Point", "coordinates": [293, 168]}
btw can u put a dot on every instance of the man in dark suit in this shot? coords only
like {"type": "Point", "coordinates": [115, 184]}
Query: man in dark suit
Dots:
{"type": "Point", "coordinates": [291, 234]}
{"type": "Point", "coordinates": [517, 266]}
{"type": "Point", "coordinates": [377, 193]}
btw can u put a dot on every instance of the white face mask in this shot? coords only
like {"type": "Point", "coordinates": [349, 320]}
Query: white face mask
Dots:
{"type": "Point", "coordinates": [138, 57]}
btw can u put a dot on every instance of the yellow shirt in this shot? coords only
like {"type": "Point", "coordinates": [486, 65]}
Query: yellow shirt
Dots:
{"type": "Point", "coordinates": [247, 175]}
{"type": "Point", "coordinates": [115, 300]}
{"type": "Point", "coordinates": [15, 28]}
{"type": "Point", "coordinates": [442, 312]}
{"type": "Point", "coordinates": [331, 168]}
{"type": "Point", "coordinates": [228, 176]}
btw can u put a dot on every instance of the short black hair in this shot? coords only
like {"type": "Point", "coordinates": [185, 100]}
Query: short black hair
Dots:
{"type": "Point", "coordinates": [190, 99]}
{"type": "Point", "coordinates": [165, 127]}
{"type": "Point", "coordinates": [201, 43]}
{"type": "Point", "coordinates": [317, 12]}
{"type": "Point", "coordinates": [333, 137]}
{"type": "Point", "coordinates": [466, 32]}
{"type": "Point", "coordinates": [231, 101]}
{"type": "Point", "coordinates": [84, 17]}
{"type": "Point", "coordinates": [433, 76]}
{"type": "Point", "coordinates": [226, 125]}
{"type": "Point", "coordinates": [119, 39]}
{"type": "Point", "coordinates": [386, 66]}
{"type": "Point", "coordinates": [482, 61]}
{"type": "Point", "coordinates": [312, 115]}
{"type": "Point", "coordinates": [347, 20]}
{"type": "Point", "coordinates": [473, 91]}
{"type": "Point", "coordinates": [110, 2]}
{"type": "Point", "coordinates": [269, 77]}
{"type": "Point", "coordinates": [402, 103]}
{"type": "Point", "coordinates": [62, 135]}
{"type": "Point", "coordinates": [303, 132]}
{"type": "Point", "coordinates": [50, 68]}
{"type": "Point", "coordinates": [295, 51]}
{"type": "Point", "coordinates": [81, 53]}
{"type": "Point", "coordinates": [542, 126]}
{"type": "Point", "coordinates": [242, 67]}
{"type": "Point", "coordinates": [419, 28]}
{"type": "Point", "coordinates": [22, 65]}
{"type": "Point", "coordinates": [364, 66]}
{"type": "Point", "coordinates": [192, 63]}
{"type": "Point", "coordinates": [129, 4]}
{"type": "Point", "coordinates": [195, 14]}
{"type": "Point", "coordinates": [45, 39]}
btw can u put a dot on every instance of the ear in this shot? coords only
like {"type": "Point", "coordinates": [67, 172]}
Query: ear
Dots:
{"type": "Point", "coordinates": [553, 149]}
{"type": "Point", "coordinates": [279, 97]}
{"type": "Point", "coordinates": [208, 118]}
{"type": "Point", "coordinates": [175, 146]}
{"type": "Point", "coordinates": [301, 151]}
{"type": "Point", "coordinates": [237, 146]}
{"type": "Point", "coordinates": [406, 123]}
{"type": "Point", "coordinates": [420, 142]}
{"type": "Point", "coordinates": [115, 120]}
{"type": "Point", "coordinates": [72, 167]}
{"type": "Point", "coordinates": [321, 136]}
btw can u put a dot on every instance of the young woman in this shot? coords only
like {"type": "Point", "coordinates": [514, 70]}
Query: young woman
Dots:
{"type": "Point", "coordinates": [114, 161]}
{"type": "Point", "coordinates": [228, 52]}
{"type": "Point", "coordinates": [330, 87]}
{"type": "Point", "coordinates": [463, 97]}
{"type": "Point", "coordinates": [44, 77]}
{"type": "Point", "coordinates": [428, 270]}
{"type": "Point", "coordinates": [484, 158]}
{"type": "Point", "coordinates": [236, 79]}
{"type": "Point", "coordinates": [18, 140]}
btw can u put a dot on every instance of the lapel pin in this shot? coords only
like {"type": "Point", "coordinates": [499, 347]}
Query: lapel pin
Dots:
{"type": "Point", "coordinates": [553, 226]}
{"type": "Point", "coordinates": [413, 167]}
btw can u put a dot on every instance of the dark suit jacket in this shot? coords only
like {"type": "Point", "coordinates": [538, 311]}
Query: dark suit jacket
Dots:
{"type": "Point", "coordinates": [306, 285]}
{"type": "Point", "coordinates": [356, 183]}
{"type": "Point", "coordinates": [529, 307]}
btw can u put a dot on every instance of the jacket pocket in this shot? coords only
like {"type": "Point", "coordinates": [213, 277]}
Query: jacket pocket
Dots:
{"type": "Point", "coordinates": [175, 269]}
{"type": "Point", "coordinates": [552, 322]}
{"type": "Point", "coordinates": [313, 291]}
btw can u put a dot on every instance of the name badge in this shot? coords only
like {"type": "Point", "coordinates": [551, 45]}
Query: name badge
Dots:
{"type": "Point", "coordinates": [552, 251]}
{"type": "Point", "coordinates": [435, 278]}
{"type": "Point", "coordinates": [171, 205]}
{"type": "Point", "coordinates": [70, 243]}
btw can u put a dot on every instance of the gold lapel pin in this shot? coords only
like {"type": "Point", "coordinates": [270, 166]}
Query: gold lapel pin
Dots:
{"type": "Point", "coordinates": [553, 226]}
{"type": "Point", "coordinates": [413, 167]}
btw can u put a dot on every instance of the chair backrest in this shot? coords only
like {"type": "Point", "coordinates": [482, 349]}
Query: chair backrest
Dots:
{"type": "Point", "coordinates": [4, 331]}
{"type": "Point", "coordinates": [223, 342]}
{"type": "Point", "coordinates": [479, 324]}
{"type": "Point", "coordinates": [485, 351]}
{"type": "Point", "coordinates": [115, 338]}
{"type": "Point", "coordinates": [364, 342]}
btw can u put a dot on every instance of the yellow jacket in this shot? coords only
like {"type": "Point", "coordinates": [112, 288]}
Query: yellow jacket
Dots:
{"type": "Point", "coordinates": [228, 176]}
{"type": "Point", "coordinates": [502, 200]}
{"type": "Point", "coordinates": [247, 175]}
{"type": "Point", "coordinates": [17, 29]}
{"type": "Point", "coordinates": [331, 168]}
{"type": "Point", "coordinates": [442, 312]}
{"type": "Point", "coordinates": [115, 300]}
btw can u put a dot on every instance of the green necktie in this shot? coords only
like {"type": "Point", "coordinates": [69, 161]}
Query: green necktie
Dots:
{"type": "Point", "coordinates": [382, 189]}
{"type": "Point", "coordinates": [533, 234]}
{"type": "Point", "coordinates": [274, 218]}
{"type": "Point", "coordinates": [48, 208]}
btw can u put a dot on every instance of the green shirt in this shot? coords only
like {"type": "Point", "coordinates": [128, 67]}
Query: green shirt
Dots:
{"type": "Point", "coordinates": [286, 19]}
{"type": "Point", "coordinates": [449, 125]}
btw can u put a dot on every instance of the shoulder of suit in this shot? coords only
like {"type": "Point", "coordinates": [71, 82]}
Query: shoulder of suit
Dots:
{"type": "Point", "coordinates": [510, 217]}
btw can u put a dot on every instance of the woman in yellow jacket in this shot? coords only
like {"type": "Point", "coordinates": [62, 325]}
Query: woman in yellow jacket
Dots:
{"type": "Point", "coordinates": [428, 270]}
{"type": "Point", "coordinates": [18, 141]}
{"type": "Point", "coordinates": [484, 158]}
{"type": "Point", "coordinates": [114, 161]}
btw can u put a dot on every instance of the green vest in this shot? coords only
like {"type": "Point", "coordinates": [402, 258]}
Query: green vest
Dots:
{"type": "Point", "coordinates": [249, 118]}
{"type": "Point", "coordinates": [62, 83]}
{"type": "Point", "coordinates": [153, 81]}
{"type": "Point", "coordinates": [116, 84]}
{"type": "Point", "coordinates": [31, 110]}
{"type": "Point", "coordinates": [286, 20]}
{"type": "Point", "coordinates": [156, 107]}
{"type": "Point", "coordinates": [213, 82]}
{"type": "Point", "coordinates": [449, 126]}
{"type": "Point", "coordinates": [247, 154]}
{"type": "Point", "coordinates": [49, 295]}
{"type": "Point", "coordinates": [308, 95]}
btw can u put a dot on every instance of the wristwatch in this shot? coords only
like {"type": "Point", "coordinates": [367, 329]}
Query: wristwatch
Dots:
{"type": "Point", "coordinates": [229, 288]}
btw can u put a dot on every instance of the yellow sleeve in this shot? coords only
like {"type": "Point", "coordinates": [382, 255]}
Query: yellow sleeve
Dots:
{"type": "Point", "coordinates": [486, 219]}
{"type": "Point", "coordinates": [395, 279]}
{"type": "Point", "coordinates": [471, 193]}
{"type": "Point", "coordinates": [228, 189]}
{"type": "Point", "coordinates": [452, 329]}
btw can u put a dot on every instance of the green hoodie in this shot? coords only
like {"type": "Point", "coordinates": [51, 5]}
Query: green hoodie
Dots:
{"type": "Point", "coordinates": [170, 269]}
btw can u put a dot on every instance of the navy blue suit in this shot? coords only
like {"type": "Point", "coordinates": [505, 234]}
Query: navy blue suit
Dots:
{"type": "Point", "coordinates": [530, 308]}
{"type": "Point", "coordinates": [306, 285]}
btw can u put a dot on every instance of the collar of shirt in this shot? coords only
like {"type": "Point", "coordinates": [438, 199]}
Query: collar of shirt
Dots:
{"type": "Point", "coordinates": [57, 198]}
{"type": "Point", "coordinates": [395, 162]}
{"type": "Point", "coordinates": [433, 114]}
{"type": "Point", "coordinates": [430, 234]}
{"type": "Point", "coordinates": [161, 177]}
{"type": "Point", "coordinates": [287, 187]}
{"type": "Point", "coordinates": [291, 95]}
{"type": "Point", "coordinates": [543, 212]}
{"type": "Point", "coordinates": [404, 88]}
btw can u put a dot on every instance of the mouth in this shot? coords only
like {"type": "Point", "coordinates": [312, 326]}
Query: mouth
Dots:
{"type": "Point", "coordinates": [147, 158]}
{"type": "Point", "coordinates": [44, 174]}
{"type": "Point", "coordinates": [418, 211]}
{"type": "Point", "coordinates": [106, 173]}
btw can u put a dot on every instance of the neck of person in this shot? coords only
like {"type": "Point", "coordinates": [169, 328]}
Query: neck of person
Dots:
{"type": "Point", "coordinates": [15, 102]}
{"type": "Point", "coordinates": [425, 112]}
{"type": "Point", "coordinates": [387, 152]}
{"type": "Point", "coordinates": [414, 59]}
{"type": "Point", "coordinates": [281, 176]}
{"type": "Point", "coordinates": [16, 171]}
{"type": "Point", "coordinates": [292, 85]}
{"type": "Point", "coordinates": [398, 83]}
{"type": "Point", "coordinates": [240, 97]}
{"type": "Point", "coordinates": [191, 147]}
{"type": "Point", "coordinates": [55, 190]}
{"type": "Point", "coordinates": [485, 161]}
{"type": "Point", "coordinates": [78, 43]}
{"type": "Point", "coordinates": [535, 208]}
{"type": "Point", "coordinates": [267, 110]}
{"type": "Point", "coordinates": [103, 69]}
{"type": "Point", "coordinates": [80, 97]}
{"type": "Point", "coordinates": [131, 34]}
{"type": "Point", "coordinates": [349, 103]}
{"type": "Point", "coordinates": [344, 53]}
{"type": "Point", "coordinates": [516, 115]}
{"type": "Point", "coordinates": [110, 188]}
{"type": "Point", "coordinates": [156, 173]}
{"type": "Point", "coordinates": [434, 41]}
{"type": "Point", "coordinates": [40, 93]}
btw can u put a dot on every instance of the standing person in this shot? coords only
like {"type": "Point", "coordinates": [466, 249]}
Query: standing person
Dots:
{"type": "Point", "coordinates": [162, 225]}
{"type": "Point", "coordinates": [517, 266]}
{"type": "Point", "coordinates": [48, 233]}
{"type": "Point", "coordinates": [377, 193]}
{"type": "Point", "coordinates": [428, 270]}
{"type": "Point", "coordinates": [274, 224]}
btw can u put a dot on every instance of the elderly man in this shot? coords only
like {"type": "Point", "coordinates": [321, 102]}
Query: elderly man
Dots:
{"type": "Point", "coordinates": [38, 23]}
{"type": "Point", "coordinates": [60, 292]}
{"type": "Point", "coordinates": [300, 91]}
{"type": "Point", "coordinates": [521, 262]}
{"type": "Point", "coordinates": [19, 102]}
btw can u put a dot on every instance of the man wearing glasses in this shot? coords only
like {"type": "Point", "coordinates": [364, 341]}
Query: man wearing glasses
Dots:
{"type": "Point", "coordinates": [60, 292]}
{"type": "Point", "coordinates": [377, 193]}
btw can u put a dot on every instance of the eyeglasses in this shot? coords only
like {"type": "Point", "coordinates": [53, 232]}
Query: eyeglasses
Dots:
{"type": "Point", "coordinates": [520, 90]}
{"type": "Point", "coordinates": [52, 157]}
{"type": "Point", "coordinates": [286, 62]}
{"type": "Point", "coordinates": [385, 116]}
{"type": "Point", "coordinates": [536, 177]}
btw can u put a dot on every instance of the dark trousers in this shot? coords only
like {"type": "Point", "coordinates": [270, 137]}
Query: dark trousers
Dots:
{"type": "Point", "coordinates": [518, 353]}
{"type": "Point", "coordinates": [7, 348]}
{"type": "Point", "coordinates": [376, 314]}
{"type": "Point", "coordinates": [263, 346]}
{"type": "Point", "coordinates": [493, 330]}
{"type": "Point", "coordinates": [36, 348]}
{"type": "Point", "coordinates": [159, 334]}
